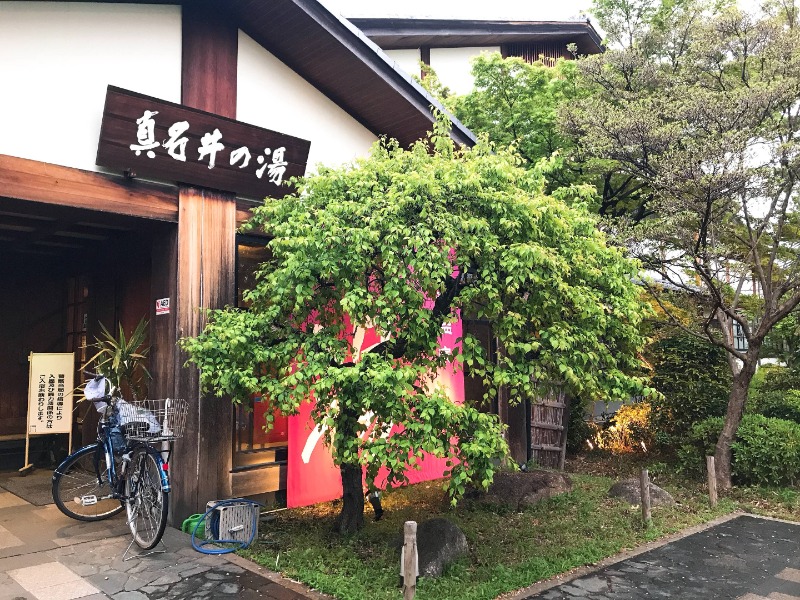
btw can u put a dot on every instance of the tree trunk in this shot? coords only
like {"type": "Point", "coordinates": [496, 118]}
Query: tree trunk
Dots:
{"type": "Point", "coordinates": [733, 416]}
{"type": "Point", "coordinates": [351, 519]}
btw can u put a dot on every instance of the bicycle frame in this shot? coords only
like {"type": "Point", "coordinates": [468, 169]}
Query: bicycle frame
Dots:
{"type": "Point", "coordinates": [123, 469]}
{"type": "Point", "coordinates": [105, 448]}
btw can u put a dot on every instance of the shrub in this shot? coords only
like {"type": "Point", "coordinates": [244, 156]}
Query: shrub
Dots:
{"type": "Point", "coordinates": [628, 429]}
{"type": "Point", "coordinates": [766, 450]}
{"type": "Point", "coordinates": [694, 380]}
{"type": "Point", "coordinates": [775, 392]}
{"type": "Point", "coordinates": [774, 378]}
{"type": "Point", "coordinates": [779, 405]}
{"type": "Point", "coordinates": [699, 443]}
{"type": "Point", "coordinates": [578, 429]}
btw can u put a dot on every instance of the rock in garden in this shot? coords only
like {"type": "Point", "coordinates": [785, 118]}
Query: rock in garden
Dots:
{"type": "Point", "coordinates": [630, 491]}
{"type": "Point", "coordinates": [439, 543]}
{"type": "Point", "coordinates": [521, 489]}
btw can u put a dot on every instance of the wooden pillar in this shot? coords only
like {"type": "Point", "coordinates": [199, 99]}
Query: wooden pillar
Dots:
{"type": "Point", "coordinates": [206, 246]}
{"type": "Point", "coordinates": [206, 258]}
{"type": "Point", "coordinates": [163, 284]}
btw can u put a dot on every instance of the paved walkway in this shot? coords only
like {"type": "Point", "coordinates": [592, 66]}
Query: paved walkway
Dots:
{"type": "Point", "coordinates": [739, 558]}
{"type": "Point", "coordinates": [45, 555]}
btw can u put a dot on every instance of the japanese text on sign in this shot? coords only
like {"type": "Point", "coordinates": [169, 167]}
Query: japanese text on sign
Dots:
{"type": "Point", "coordinates": [272, 161]}
{"type": "Point", "coordinates": [50, 393]}
{"type": "Point", "coordinates": [147, 137]}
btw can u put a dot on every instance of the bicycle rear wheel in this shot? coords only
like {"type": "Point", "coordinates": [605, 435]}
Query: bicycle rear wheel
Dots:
{"type": "Point", "coordinates": [146, 502]}
{"type": "Point", "coordinates": [80, 486]}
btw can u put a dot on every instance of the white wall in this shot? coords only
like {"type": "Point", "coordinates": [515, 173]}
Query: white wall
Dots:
{"type": "Point", "coordinates": [272, 96]}
{"type": "Point", "coordinates": [453, 66]}
{"type": "Point", "coordinates": [56, 60]}
{"type": "Point", "coordinates": [407, 60]}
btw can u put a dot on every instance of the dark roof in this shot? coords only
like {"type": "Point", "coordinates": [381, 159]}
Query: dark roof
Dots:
{"type": "Point", "coordinates": [335, 57]}
{"type": "Point", "coordinates": [395, 33]}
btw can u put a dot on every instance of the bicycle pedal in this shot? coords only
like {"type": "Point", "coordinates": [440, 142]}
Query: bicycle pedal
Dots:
{"type": "Point", "coordinates": [86, 500]}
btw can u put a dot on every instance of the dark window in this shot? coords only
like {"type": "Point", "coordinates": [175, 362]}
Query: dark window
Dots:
{"type": "Point", "coordinates": [739, 338]}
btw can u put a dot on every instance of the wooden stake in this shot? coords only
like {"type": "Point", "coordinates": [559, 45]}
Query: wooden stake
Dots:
{"type": "Point", "coordinates": [645, 489]}
{"type": "Point", "coordinates": [711, 468]}
{"type": "Point", "coordinates": [409, 560]}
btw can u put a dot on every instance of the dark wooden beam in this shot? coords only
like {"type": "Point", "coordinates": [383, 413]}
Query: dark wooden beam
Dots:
{"type": "Point", "coordinates": [425, 58]}
{"type": "Point", "coordinates": [392, 33]}
{"type": "Point", "coordinates": [210, 49]}
{"type": "Point", "coordinates": [35, 181]}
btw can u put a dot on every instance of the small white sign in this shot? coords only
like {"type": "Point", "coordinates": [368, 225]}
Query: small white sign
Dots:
{"type": "Point", "coordinates": [162, 306]}
{"type": "Point", "coordinates": [50, 393]}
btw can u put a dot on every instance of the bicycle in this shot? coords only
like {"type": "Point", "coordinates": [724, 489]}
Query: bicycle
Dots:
{"type": "Point", "coordinates": [122, 470]}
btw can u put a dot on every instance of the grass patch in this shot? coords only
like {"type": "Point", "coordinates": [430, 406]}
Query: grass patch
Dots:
{"type": "Point", "coordinates": [508, 550]}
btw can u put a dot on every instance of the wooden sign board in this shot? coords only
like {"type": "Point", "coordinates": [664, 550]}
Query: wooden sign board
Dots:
{"type": "Point", "coordinates": [145, 136]}
{"type": "Point", "coordinates": [50, 391]}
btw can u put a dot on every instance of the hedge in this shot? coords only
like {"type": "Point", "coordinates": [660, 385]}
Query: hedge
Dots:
{"type": "Point", "coordinates": [766, 450]}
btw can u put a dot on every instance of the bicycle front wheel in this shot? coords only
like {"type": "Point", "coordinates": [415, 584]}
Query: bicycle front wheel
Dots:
{"type": "Point", "coordinates": [146, 502]}
{"type": "Point", "coordinates": [80, 486]}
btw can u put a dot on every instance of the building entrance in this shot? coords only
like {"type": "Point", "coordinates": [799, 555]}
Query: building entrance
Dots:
{"type": "Point", "coordinates": [63, 271]}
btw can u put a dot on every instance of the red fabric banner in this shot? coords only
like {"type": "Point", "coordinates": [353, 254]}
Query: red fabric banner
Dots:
{"type": "Point", "coordinates": [312, 476]}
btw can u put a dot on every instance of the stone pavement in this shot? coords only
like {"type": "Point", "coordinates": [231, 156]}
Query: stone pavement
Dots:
{"type": "Point", "coordinates": [740, 558]}
{"type": "Point", "coordinates": [45, 555]}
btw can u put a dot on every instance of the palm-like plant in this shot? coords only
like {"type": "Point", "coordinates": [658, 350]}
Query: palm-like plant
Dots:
{"type": "Point", "coordinates": [121, 359]}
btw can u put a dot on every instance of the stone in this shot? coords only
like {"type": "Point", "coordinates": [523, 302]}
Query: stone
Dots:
{"type": "Point", "coordinates": [521, 489]}
{"type": "Point", "coordinates": [630, 491]}
{"type": "Point", "coordinates": [591, 584]}
{"type": "Point", "coordinates": [439, 543]}
{"type": "Point", "coordinates": [129, 596]}
{"type": "Point", "coordinates": [167, 579]}
{"type": "Point", "coordinates": [154, 589]}
{"type": "Point", "coordinates": [111, 582]}
{"type": "Point", "coordinates": [215, 576]}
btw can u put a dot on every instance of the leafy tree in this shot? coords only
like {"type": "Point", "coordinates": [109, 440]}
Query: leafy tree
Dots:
{"type": "Point", "coordinates": [783, 342]}
{"type": "Point", "coordinates": [711, 127]}
{"type": "Point", "coordinates": [517, 104]}
{"type": "Point", "coordinates": [404, 241]}
{"type": "Point", "coordinates": [657, 23]}
{"type": "Point", "coordinates": [624, 20]}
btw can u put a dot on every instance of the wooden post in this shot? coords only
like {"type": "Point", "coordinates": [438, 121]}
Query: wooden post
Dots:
{"type": "Point", "coordinates": [712, 480]}
{"type": "Point", "coordinates": [645, 489]}
{"type": "Point", "coordinates": [409, 560]}
{"type": "Point", "coordinates": [206, 265]}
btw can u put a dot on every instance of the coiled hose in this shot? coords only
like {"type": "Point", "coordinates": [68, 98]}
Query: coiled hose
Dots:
{"type": "Point", "coordinates": [200, 544]}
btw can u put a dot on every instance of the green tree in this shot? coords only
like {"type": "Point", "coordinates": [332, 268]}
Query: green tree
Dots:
{"type": "Point", "coordinates": [517, 104]}
{"type": "Point", "coordinates": [405, 241]}
{"type": "Point", "coordinates": [711, 127]}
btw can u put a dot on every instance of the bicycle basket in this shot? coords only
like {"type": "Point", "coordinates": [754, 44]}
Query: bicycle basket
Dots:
{"type": "Point", "coordinates": [153, 420]}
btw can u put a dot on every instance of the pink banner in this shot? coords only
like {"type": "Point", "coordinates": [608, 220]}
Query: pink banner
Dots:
{"type": "Point", "coordinates": [312, 477]}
